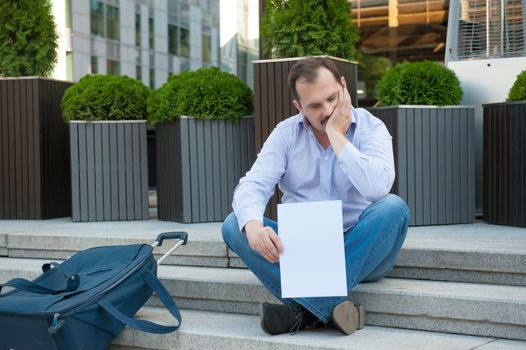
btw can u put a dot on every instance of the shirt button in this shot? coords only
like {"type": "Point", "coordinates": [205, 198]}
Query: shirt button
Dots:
{"type": "Point", "coordinates": [326, 158]}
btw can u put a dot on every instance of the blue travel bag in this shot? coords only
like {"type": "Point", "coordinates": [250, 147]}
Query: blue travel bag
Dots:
{"type": "Point", "coordinates": [85, 301]}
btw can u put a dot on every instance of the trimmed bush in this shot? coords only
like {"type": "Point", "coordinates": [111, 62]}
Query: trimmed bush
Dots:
{"type": "Point", "coordinates": [296, 28]}
{"type": "Point", "coordinates": [105, 97]}
{"type": "Point", "coordinates": [419, 83]}
{"type": "Point", "coordinates": [518, 90]}
{"type": "Point", "coordinates": [27, 38]}
{"type": "Point", "coordinates": [206, 93]}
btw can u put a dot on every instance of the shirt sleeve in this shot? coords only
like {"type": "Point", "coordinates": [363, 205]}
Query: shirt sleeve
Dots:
{"type": "Point", "coordinates": [371, 167]}
{"type": "Point", "coordinates": [257, 186]}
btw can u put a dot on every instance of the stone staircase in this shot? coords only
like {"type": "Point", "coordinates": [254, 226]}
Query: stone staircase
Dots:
{"type": "Point", "coordinates": [454, 287]}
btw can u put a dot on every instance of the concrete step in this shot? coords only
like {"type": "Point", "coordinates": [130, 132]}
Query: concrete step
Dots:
{"type": "Point", "coordinates": [464, 308]}
{"type": "Point", "coordinates": [209, 330]}
{"type": "Point", "coordinates": [478, 253]}
{"type": "Point", "coordinates": [60, 238]}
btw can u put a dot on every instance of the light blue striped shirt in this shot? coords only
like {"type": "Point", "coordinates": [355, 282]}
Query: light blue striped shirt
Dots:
{"type": "Point", "coordinates": [292, 157]}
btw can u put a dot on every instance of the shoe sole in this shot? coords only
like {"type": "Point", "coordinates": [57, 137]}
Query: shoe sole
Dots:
{"type": "Point", "coordinates": [341, 319]}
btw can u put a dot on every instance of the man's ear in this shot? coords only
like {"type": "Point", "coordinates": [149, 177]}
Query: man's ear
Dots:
{"type": "Point", "coordinates": [297, 104]}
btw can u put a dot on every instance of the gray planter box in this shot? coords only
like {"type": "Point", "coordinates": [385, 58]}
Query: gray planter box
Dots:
{"type": "Point", "coordinates": [109, 173]}
{"type": "Point", "coordinates": [434, 160]}
{"type": "Point", "coordinates": [504, 163]}
{"type": "Point", "coordinates": [199, 163]}
{"type": "Point", "coordinates": [34, 152]}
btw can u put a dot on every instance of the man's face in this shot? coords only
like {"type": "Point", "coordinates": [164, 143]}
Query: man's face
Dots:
{"type": "Point", "coordinates": [318, 99]}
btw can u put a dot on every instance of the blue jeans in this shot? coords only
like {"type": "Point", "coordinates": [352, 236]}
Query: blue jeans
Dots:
{"type": "Point", "coordinates": [371, 249]}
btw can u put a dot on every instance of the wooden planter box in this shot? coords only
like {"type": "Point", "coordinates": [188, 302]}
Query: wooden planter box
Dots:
{"type": "Point", "coordinates": [504, 163]}
{"type": "Point", "coordinates": [109, 171]}
{"type": "Point", "coordinates": [434, 160]}
{"type": "Point", "coordinates": [34, 152]}
{"type": "Point", "coordinates": [199, 163]}
{"type": "Point", "coordinates": [273, 102]}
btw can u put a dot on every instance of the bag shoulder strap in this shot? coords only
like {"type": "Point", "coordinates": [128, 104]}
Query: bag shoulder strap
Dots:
{"type": "Point", "coordinates": [144, 325]}
{"type": "Point", "coordinates": [71, 283]}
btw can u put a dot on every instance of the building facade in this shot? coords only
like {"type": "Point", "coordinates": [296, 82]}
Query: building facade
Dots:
{"type": "Point", "coordinates": [148, 39]}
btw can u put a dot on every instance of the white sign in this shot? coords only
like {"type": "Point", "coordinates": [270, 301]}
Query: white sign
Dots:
{"type": "Point", "coordinates": [313, 260]}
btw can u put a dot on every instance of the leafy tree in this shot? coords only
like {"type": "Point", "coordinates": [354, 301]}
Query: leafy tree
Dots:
{"type": "Point", "coordinates": [27, 38]}
{"type": "Point", "coordinates": [292, 28]}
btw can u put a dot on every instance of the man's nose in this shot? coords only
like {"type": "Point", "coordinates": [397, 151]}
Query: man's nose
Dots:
{"type": "Point", "coordinates": [328, 109]}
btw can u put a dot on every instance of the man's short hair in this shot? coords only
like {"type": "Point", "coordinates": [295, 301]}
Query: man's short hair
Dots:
{"type": "Point", "coordinates": [307, 69]}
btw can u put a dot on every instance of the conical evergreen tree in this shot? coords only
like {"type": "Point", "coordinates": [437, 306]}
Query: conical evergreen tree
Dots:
{"type": "Point", "coordinates": [28, 39]}
{"type": "Point", "coordinates": [292, 28]}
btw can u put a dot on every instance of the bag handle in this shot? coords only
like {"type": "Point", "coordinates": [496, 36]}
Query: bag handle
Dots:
{"type": "Point", "coordinates": [144, 325]}
{"type": "Point", "coordinates": [72, 283]}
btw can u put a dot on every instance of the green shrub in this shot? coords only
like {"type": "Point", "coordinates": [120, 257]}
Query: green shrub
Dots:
{"type": "Point", "coordinates": [296, 28]}
{"type": "Point", "coordinates": [419, 83]}
{"type": "Point", "coordinates": [518, 90]}
{"type": "Point", "coordinates": [27, 38]}
{"type": "Point", "coordinates": [105, 97]}
{"type": "Point", "coordinates": [206, 93]}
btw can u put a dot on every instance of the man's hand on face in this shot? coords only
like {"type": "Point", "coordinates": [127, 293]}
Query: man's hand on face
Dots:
{"type": "Point", "coordinates": [341, 116]}
{"type": "Point", "coordinates": [264, 240]}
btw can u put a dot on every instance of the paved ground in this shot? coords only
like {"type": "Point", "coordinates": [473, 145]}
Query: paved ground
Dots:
{"type": "Point", "coordinates": [470, 236]}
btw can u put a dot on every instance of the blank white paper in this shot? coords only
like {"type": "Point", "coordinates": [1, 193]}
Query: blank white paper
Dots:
{"type": "Point", "coordinates": [313, 260]}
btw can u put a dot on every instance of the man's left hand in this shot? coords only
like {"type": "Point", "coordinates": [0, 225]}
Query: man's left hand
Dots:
{"type": "Point", "coordinates": [340, 120]}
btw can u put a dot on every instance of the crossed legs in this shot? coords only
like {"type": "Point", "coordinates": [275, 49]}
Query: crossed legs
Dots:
{"type": "Point", "coordinates": [371, 249]}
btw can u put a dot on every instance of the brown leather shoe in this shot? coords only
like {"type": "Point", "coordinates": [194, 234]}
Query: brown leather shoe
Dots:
{"type": "Point", "coordinates": [347, 317]}
{"type": "Point", "coordinates": [281, 318]}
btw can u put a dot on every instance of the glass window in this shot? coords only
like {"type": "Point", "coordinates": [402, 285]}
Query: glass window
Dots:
{"type": "Point", "coordinates": [94, 66]}
{"type": "Point", "coordinates": [179, 41]}
{"type": "Point", "coordinates": [113, 67]}
{"type": "Point", "coordinates": [137, 29]}
{"type": "Point", "coordinates": [138, 72]}
{"type": "Point", "coordinates": [151, 34]}
{"type": "Point", "coordinates": [152, 78]}
{"type": "Point", "coordinates": [206, 48]}
{"type": "Point", "coordinates": [112, 22]}
{"type": "Point", "coordinates": [184, 42]}
{"type": "Point", "coordinates": [97, 18]}
{"type": "Point", "coordinates": [68, 13]}
{"type": "Point", "coordinates": [173, 40]}
{"type": "Point", "coordinates": [69, 65]}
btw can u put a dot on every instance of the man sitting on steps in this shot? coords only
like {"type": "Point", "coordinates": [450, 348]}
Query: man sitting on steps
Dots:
{"type": "Point", "coordinates": [329, 151]}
